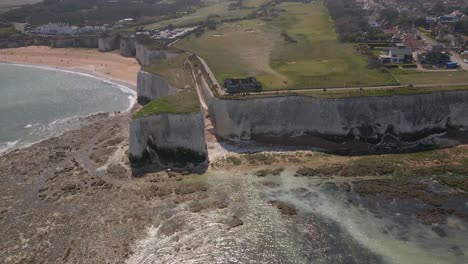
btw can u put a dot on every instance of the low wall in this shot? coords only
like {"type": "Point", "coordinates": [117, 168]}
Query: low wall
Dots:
{"type": "Point", "coordinates": [151, 86]}
{"type": "Point", "coordinates": [168, 140]}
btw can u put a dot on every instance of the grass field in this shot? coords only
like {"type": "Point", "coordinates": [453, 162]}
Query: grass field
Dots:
{"type": "Point", "coordinates": [415, 77]}
{"type": "Point", "coordinates": [5, 32]}
{"type": "Point", "coordinates": [258, 48]}
{"type": "Point", "coordinates": [174, 71]}
{"type": "Point", "coordinates": [180, 103]}
{"type": "Point", "coordinates": [9, 4]}
{"type": "Point", "coordinates": [211, 7]}
{"type": "Point", "coordinates": [353, 92]}
{"type": "Point", "coordinates": [383, 92]}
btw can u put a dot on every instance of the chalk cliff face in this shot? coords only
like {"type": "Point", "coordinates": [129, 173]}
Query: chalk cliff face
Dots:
{"type": "Point", "coordinates": [146, 55]}
{"type": "Point", "coordinates": [108, 43]}
{"type": "Point", "coordinates": [16, 41]}
{"type": "Point", "coordinates": [151, 86]}
{"type": "Point", "coordinates": [127, 46]}
{"type": "Point", "coordinates": [169, 140]}
{"type": "Point", "coordinates": [52, 41]}
{"type": "Point", "coordinates": [367, 119]}
{"type": "Point", "coordinates": [86, 42]}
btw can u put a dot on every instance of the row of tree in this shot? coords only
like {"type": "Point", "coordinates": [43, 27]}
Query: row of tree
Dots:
{"type": "Point", "coordinates": [94, 12]}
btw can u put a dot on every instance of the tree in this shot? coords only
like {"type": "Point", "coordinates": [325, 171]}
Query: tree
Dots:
{"type": "Point", "coordinates": [438, 8]}
{"type": "Point", "coordinates": [465, 10]}
{"type": "Point", "coordinates": [389, 14]}
{"type": "Point", "coordinates": [462, 27]}
{"type": "Point", "coordinates": [420, 22]}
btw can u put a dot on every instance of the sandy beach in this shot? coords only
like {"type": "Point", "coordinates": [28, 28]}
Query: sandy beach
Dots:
{"type": "Point", "coordinates": [110, 65]}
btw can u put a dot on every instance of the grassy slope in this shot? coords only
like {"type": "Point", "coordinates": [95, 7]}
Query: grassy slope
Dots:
{"type": "Point", "coordinates": [383, 92]}
{"type": "Point", "coordinates": [181, 103]}
{"type": "Point", "coordinates": [334, 94]}
{"type": "Point", "coordinates": [256, 48]}
{"type": "Point", "coordinates": [5, 32]}
{"type": "Point", "coordinates": [5, 5]}
{"type": "Point", "coordinates": [415, 77]}
{"type": "Point", "coordinates": [173, 71]}
{"type": "Point", "coordinates": [211, 7]}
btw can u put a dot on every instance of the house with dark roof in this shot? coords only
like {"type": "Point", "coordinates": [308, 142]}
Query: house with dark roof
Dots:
{"type": "Point", "coordinates": [242, 85]}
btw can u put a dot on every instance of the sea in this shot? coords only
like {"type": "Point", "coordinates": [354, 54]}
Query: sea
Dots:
{"type": "Point", "coordinates": [37, 103]}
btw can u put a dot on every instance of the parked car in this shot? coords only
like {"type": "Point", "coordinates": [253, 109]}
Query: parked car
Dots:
{"type": "Point", "coordinates": [465, 61]}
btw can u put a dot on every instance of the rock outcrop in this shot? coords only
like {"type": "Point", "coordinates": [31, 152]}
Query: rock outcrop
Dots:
{"type": "Point", "coordinates": [127, 46]}
{"type": "Point", "coordinates": [168, 140]}
{"type": "Point", "coordinates": [16, 41]}
{"type": "Point", "coordinates": [151, 86]}
{"type": "Point", "coordinates": [147, 54]}
{"type": "Point", "coordinates": [51, 41]}
{"type": "Point", "coordinates": [108, 42]}
{"type": "Point", "coordinates": [67, 42]}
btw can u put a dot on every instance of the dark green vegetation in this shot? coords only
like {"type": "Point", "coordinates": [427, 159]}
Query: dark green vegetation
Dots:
{"type": "Point", "coordinates": [6, 32]}
{"type": "Point", "coordinates": [95, 11]}
{"type": "Point", "coordinates": [351, 22]}
{"type": "Point", "coordinates": [6, 5]}
{"type": "Point", "coordinates": [181, 103]}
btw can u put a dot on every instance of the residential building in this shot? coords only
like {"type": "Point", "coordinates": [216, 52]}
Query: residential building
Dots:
{"type": "Point", "coordinates": [57, 29]}
{"type": "Point", "coordinates": [400, 54]}
{"type": "Point", "coordinates": [242, 85]}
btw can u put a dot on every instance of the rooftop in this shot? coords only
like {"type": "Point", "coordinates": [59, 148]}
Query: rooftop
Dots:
{"type": "Point", "coordinates": [401, 51]}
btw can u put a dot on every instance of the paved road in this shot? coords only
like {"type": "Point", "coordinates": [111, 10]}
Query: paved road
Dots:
{"type": "Point", "coordinates": [454, 57]}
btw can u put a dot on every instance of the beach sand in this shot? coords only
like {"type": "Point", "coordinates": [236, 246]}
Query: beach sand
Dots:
{"type": "Point", "coordinates": [110, 65]}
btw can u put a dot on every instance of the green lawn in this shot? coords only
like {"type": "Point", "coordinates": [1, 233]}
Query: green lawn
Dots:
{"type": "Point", "coordinates": [211, 7]}
{"type": "Point", "coordinates": [383, 92]}
{"type": "Point", "coordinates": [173, 71]}
{"type": "Point", "coordinates": [181, 103]}
{"type": "Point", "coordinates": [6, 5]}
{"type": "Point", "coordinates": [5, 32]}
{"type": "Point", "coordinates": [257, 48]}
{"type": "Point", "coordinates": [353, 92]}
{"type": "Point", "coordinates": [415, 77]}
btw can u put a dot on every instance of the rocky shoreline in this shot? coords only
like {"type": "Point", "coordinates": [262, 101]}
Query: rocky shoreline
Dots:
{"type": "Point", "coordinates": [73, 199]}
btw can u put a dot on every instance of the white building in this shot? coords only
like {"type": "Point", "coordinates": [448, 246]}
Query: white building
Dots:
{"type": "Point", "coordinates": [57, 29]}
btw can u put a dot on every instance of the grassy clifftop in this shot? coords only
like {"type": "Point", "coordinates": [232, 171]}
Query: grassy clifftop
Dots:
{"type": "Point", "coordinates": [181, 103]}
{"type": "Point", "coordinates": [174, 71]}
{"type": "Point", "coordinates": [298, 48]}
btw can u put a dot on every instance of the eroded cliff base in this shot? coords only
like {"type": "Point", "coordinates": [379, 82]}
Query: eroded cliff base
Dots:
{"type": "Point", "coordinates": [73, 199]}
{"type": "Point", "coordinates": [387, 144]}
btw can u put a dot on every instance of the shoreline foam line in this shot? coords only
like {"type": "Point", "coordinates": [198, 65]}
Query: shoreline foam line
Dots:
{"type": "Point", "coordinates": [132, 98]}
{"type": "Point", "coordinates": [123, 88]}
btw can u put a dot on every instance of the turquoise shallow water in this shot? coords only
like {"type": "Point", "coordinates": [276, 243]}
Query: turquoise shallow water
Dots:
{"type": "Point", "coordinates": [36, 103]}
